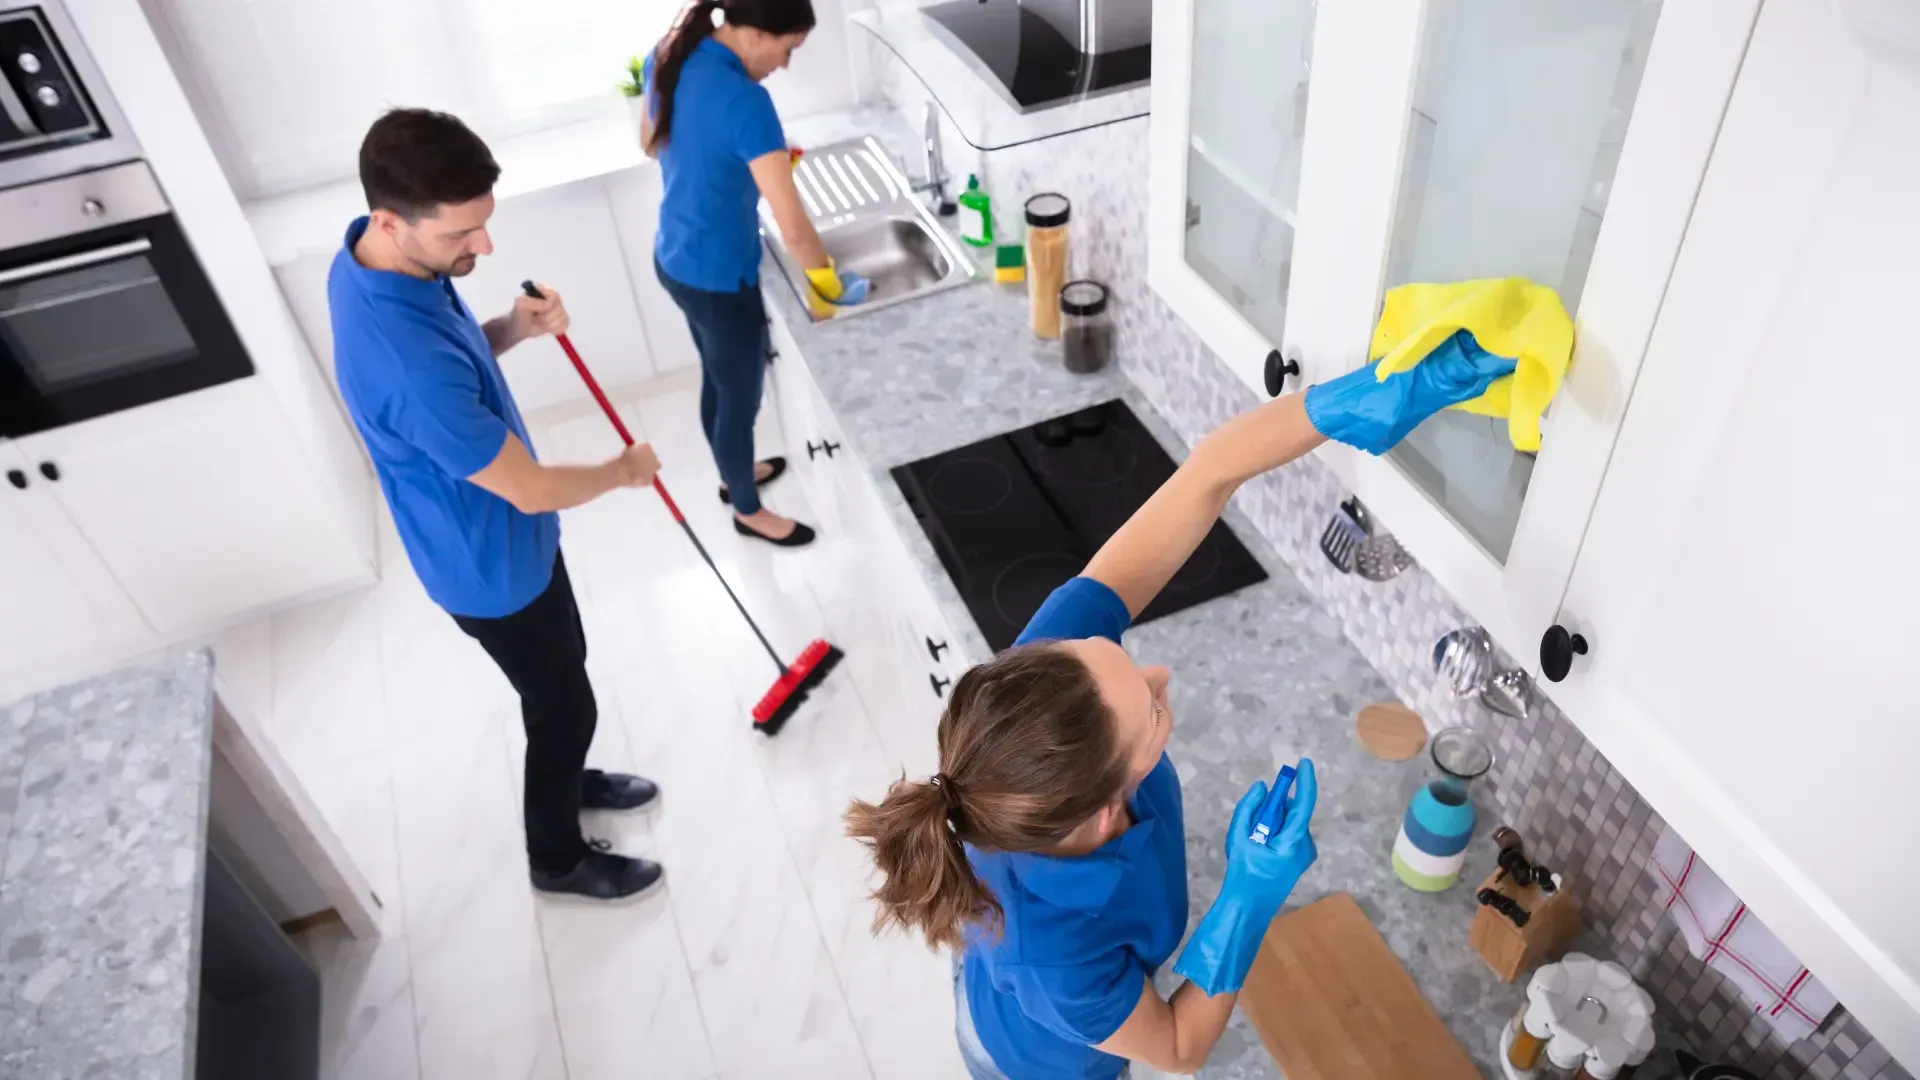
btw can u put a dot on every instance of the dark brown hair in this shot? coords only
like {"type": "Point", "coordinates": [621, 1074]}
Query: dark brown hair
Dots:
{"type": "Point", "coordinates": [778, 17]}
{"type": "Point", "coordinates": [414, 160]}
{"type": "Point", "coordinates": [1028, 751]}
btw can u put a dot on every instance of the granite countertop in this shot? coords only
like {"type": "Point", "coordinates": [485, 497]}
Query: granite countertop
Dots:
{"type": "Point", "coordinates": [103, 813]}
{"type": "Point", "coordinates": [1261, 677]}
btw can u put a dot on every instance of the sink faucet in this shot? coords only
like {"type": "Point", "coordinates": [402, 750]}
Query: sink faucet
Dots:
{"type": "Point", "coordinates": [934, 164]}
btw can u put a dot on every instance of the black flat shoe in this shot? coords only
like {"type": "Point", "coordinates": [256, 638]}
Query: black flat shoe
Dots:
{"type": "Point", "coordinates": [776, 468]}
{"type": "Point", "coordinates": [601, 875]}
{"type": "Point", "coordinates": [616, 791]}
{"type": "Point", "coordinates": [801, 536]}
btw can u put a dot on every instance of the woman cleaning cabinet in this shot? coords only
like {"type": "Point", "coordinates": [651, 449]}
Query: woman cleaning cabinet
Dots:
{"type": "Point", "coordinates": [721, 149]}
{"type": "Point", "coordinates": [1050, 849]}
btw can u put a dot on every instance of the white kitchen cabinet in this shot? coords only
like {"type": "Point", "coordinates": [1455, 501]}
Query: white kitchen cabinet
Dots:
{"type": "Point", "coordinates": [59, 598]}
{"type": "Point", "coordinates": [1439, 140]}
{"type": "Point", "coordinates": [202, 508]}
{"type": "Point", "coordinates": [905, 685]}
{"type": "Point", "coordinates": [1751, 623]}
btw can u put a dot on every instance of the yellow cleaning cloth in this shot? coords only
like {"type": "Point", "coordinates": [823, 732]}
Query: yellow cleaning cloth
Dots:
{"type": "Point", "coordinates": [1509, 317]}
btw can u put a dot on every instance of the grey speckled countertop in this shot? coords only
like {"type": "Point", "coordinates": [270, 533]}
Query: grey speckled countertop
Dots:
{"type": "Point", "coordinates": [1261, 677]}
{"type": "Point", "coordinates": [103, 812]}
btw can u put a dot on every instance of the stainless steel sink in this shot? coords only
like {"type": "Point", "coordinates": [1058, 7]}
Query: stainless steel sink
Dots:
{"type": "Point", "coordinates": [872, 224]}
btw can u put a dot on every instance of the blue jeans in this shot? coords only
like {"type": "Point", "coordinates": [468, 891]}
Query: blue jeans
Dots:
{"type": "Point", "coordinates": [979, 1063]}
{"type": "Point", "coordinates": [730, 331]}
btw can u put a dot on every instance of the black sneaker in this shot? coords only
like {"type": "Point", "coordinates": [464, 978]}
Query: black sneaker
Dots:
{"type": "Point", "coordinates": [601, 875]}
{"type": "Point", "coordinates": [617, 791]}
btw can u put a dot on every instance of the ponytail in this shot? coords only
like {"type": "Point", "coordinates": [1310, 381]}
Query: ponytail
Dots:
{"type": "Point", "coordinates": [929, 886]}
{"type": "Point", "coordinates": [1029, 751]}
{"type": "Point", "coordinates": [696, 24]}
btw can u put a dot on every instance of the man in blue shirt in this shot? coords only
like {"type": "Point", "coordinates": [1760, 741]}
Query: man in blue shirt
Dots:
{"type": "Point", "coordinates": [475, 510]}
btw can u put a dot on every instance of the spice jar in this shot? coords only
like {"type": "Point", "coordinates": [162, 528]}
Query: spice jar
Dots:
{"type": "Point", "coordinates": [1086, 330]}
{"type": "Point", "coordinates": [1527, 1035]}
{"type": "Point", "coordinates": [1047, 215]}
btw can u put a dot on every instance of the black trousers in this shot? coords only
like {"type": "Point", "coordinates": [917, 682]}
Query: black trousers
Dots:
{"type": "Point", "coordinates": [542, 650]}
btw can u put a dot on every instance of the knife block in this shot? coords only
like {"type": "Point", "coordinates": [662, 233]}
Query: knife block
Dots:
{"type": "Point", "coordinates": [1511, 950]}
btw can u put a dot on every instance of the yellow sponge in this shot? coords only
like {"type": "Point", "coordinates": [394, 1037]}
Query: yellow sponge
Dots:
{"type": "Point", "coordinates": [1009, 263]}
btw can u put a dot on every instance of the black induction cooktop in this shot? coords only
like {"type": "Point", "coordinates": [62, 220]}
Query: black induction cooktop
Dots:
{"type": "Point", "coordinates": [1014, 516]}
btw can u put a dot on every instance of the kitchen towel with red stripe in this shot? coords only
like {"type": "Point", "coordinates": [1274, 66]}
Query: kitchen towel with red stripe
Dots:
{"type": "Point", "coordinates": [1733, 941]}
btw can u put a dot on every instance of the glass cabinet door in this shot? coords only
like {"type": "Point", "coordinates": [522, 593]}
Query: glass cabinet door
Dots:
{"type": "Point", "coordinates": [1563, 143]}
{"type": "Point", "coordinates": [1519, 115]}
{"type": "Point", "coordinates": [1246, 127]}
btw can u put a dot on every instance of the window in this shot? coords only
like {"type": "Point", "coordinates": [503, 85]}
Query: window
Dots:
{"type": "Point", "coordinates": [286, 88]}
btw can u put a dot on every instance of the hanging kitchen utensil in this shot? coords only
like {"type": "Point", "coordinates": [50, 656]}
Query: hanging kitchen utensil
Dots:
{"type": "Point", "coordinates": [1509, 693]}
{"type": "Point", "coordinates": [1381, 558]}
{"type": "Point", "coordinates": [1346, 532]}
{"type": "Point", "coordinates": [1464, 658]}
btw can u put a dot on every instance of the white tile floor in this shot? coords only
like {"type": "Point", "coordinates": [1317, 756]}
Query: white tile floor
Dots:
{"type": "Point", "coordinates": [755, 960]}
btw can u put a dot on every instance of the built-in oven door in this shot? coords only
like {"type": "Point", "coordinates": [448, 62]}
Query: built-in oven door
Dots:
{"type": "Point", "coordinates": [110, 313]}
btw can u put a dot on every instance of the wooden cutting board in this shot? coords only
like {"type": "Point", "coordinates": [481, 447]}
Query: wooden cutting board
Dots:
{"type": "Point", "coordinates": [1391, 731]}
{"type": "Point", "coordinates": [1332, 1003]}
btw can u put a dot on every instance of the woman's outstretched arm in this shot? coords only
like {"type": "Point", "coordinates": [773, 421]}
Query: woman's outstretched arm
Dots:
{"type": "Point", "coordinates": [1139, 559]}
{"type": "Point", "coordinates": [1358, 408]}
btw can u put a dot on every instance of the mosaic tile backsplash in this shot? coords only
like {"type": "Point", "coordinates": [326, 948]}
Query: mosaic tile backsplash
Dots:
{"type": "Point", "coordinates": [1577, 813]}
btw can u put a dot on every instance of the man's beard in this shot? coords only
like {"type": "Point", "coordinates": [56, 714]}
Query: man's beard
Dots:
{"type": "Point", "coordinates": [462, 266]}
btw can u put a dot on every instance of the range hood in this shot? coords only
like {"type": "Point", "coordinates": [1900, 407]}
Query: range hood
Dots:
{"type": "Point", "coordinates": [1043, 53]}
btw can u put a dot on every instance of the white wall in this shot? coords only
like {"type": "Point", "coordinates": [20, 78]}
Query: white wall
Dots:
{"type": "Point", "coordinates": [287, 88]}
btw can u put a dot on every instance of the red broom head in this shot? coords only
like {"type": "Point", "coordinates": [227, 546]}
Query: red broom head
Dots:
{"type": "Point", "coordinates": [806, 672]}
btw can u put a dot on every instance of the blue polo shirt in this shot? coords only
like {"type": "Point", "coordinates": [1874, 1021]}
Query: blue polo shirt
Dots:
{"type": "Point", "coordinates": [709, 237]}
{"type": "Point", "coordinates": [1081, 932]}
{"type": "Point", "coordinates": [421, 384]}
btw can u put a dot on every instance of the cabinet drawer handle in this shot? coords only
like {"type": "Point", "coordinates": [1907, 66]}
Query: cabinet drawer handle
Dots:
{"type": "Point", "coordinates": [812, 449]}
{"type": "Point", "coordinates": [17, 479]}
{"type": "Point", "coordinates": [1557, 650]}
{"type": "Point", "coordinates": [935, 648]}
{"type": "Point", "coordinates": [829, 447]}
{"type": "Point", "coordinates": [49, 470]}
{"type": "Point", "coordinates": [1278, 368]}
{"type": "Point", "coordinates": [939, 684]}
{"type": "Point", "coordinates": [772, 355]}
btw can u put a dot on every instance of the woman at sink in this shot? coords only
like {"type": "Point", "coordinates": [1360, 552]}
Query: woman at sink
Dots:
{"type": "Point", "coordinates": [721, 149]}
{"type": "Point", "coordinates": [1049, 851]}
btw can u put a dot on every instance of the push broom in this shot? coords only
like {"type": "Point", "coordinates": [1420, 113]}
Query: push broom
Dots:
{"type": "Point", "coordinates": [797, 679]}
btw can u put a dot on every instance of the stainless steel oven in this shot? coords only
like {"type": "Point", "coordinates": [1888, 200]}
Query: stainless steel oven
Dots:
{"type": "Point", "coordinates": [103, 304]}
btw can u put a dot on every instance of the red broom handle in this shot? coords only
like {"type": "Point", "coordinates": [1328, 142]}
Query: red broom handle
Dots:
{"type": "Point", "coordinates": [599, 395]}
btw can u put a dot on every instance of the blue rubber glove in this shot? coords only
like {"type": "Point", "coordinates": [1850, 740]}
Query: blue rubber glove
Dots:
{"type": "Point", "coordinates": [1259, 878]}
{"type": "Point", "coordinates": [1364, 412]}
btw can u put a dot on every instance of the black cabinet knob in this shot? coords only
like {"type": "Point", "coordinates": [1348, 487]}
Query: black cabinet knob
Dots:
{"type": "Point", "coordinates": [829, 447]}
{"type": "Point", "coordinates": [939, 684]}
{"type": "Point", "coordinates": [1557, 650]}
{"type": "Point", "coordinates": [49, 470]}
{"type": "Point", "coordinates": [1278, 368]}
{"type": "Point", "coordinates": [935, 648]}
{"type": "Point", "coordinates": [772, 355]}
{"type": "Point", "coordinates": [813, 449]}
{"type": "Point", "coordinates": [17, 479]}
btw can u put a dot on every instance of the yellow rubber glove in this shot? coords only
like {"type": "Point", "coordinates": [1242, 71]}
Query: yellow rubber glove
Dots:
{"type": "Point", "coordinates": [826, 281]}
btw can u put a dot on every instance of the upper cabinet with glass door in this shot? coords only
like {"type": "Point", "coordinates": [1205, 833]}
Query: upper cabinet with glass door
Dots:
{"type": "Point", "coordinates": [1440, 141]}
